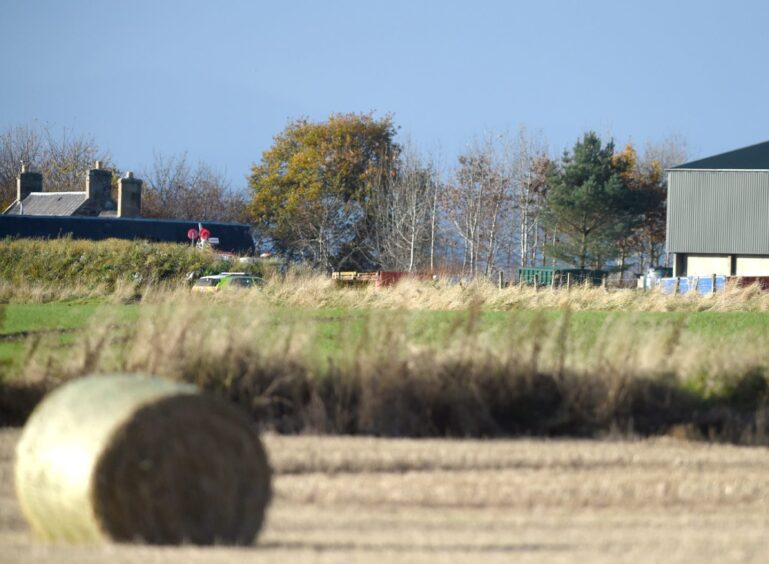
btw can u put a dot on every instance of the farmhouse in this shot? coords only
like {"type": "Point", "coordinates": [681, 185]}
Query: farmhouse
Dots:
{"type": "Point", "coordinates": [718, 214]}
{"type": "Point", "coordinates": [95, 201]}
{"type": "Point", "coordinates": [94, 214]}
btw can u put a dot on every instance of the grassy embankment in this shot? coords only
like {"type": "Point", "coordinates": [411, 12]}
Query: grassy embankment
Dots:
{"type": "Point", "coordinates": [115, 270]}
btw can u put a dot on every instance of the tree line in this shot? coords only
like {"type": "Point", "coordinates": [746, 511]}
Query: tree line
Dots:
{"type": "Point", "coordinates": [344, 194]}
{"type": "Point", "coordinates": [173, 187]}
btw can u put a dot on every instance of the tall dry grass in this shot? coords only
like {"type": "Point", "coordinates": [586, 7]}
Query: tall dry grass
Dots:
{"type": "Point", "coordinates": [538, 377]}
{"type": "Point", "coordinates": [310, 291]}
{"type": "Point", "coordinates": [121, 271]}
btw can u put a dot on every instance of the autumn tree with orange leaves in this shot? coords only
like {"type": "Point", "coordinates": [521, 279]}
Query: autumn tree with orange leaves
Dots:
{"type": "Point", "coordinates": [312, 190]}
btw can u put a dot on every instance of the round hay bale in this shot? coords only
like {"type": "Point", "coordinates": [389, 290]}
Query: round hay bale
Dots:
{"type": "Point", "coordinates": [136, 459]}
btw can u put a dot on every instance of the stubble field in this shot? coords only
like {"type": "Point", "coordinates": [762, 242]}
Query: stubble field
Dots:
{"type": "Point", "coordinates": [343, 499]}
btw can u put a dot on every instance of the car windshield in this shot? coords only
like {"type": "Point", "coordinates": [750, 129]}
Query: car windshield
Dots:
{"type": "Point", "coordinates": [245, 281]}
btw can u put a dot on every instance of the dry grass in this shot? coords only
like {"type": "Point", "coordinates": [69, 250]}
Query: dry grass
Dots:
{"type": "Point", "coordinates": [122, 271]}
{"type": "Point", "coordinates": [312, 291]}
{"type": "Point", "coordinates": [537, 378]}
{"type": "Point", "coordinates": [375, 500]}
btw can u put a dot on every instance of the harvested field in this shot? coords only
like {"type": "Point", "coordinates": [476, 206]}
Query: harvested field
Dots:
{"type": "Point", "coordinates": [376, 500]}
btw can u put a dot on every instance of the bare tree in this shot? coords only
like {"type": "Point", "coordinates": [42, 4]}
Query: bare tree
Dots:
{"type": "Point", "coordinates": [63, 158]}
{"type": "Point", "coordinates": [474, 204]}
{"type": "Point", "coordinates": [405, 212]}
{"type": "Point", "coordinates": [657, 158]}
{"type": "Point", "coordinates": [67, 158]}
{"type": "Point", "coordinates": [17, 144]}
{"type": "Point", "coordinates": [529, 178]}
{"type": "Point", "coordinates": [174, 189]}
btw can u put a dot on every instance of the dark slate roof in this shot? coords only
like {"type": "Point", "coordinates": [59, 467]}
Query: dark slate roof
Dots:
{"type": "Point", "coordinates": [48, 203]}
{"type": "Point", "coordinates": [753, 157]}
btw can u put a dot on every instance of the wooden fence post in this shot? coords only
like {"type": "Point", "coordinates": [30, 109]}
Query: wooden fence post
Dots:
{"type": "Point", "coordinates": [713, 288]}
{"type": "Point", "coordinates": [501, 280]}
{"type": "Point", "coordinates": [568, 280]}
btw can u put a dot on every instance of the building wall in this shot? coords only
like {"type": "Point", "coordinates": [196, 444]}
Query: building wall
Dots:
{"type": "Point", "coordinates": [708, 265]}
{"type": "Point", "coordinates": [718, 212]}
{"type": "Point", "coordinates": [752, 266]}
{"type": "Point", "coordinates": [233, 237]}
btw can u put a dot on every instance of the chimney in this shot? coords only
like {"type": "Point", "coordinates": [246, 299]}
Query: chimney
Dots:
{"type": "Point", "coordinates": [28, 182]}
{"type": "Point", "coordinates": [129, 196]}
{"type": "Point", "coordinates": [98, 185]}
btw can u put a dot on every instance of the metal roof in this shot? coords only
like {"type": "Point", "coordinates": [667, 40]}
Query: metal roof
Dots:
{"type": "Point", "coordinates": [48, 203]}
{"type": "Point", "coordinates": [753, 157]}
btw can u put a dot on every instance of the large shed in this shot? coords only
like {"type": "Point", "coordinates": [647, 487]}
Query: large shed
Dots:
{"type": "Point", "coordinates": [718, 214]}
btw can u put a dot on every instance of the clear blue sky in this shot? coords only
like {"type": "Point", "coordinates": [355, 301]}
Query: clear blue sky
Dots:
{"type": "Point", "coordinates": [219, 79]}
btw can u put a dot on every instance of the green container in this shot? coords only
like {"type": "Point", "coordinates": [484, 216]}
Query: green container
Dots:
{"type": "Point", "coordinates": [543, 276]}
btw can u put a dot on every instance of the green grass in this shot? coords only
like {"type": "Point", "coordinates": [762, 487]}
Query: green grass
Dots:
{"type": "Point", "coordinates": [334, 328]}
{"type": "Point", "coordinates": [59, 325]}
{"type": "Point", "coordinates": [469, 372]}
{"type": "Point", "coordinates": [21, 318]}
{"type": "Point", "coordinates": [423, 326]}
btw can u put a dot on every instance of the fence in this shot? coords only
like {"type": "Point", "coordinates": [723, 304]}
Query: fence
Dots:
{"type": "Point", "coordinates": [701, 284]}
{"type": "Point", "coordinates": [561, 277]}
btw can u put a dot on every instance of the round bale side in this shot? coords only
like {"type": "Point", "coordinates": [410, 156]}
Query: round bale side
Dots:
{"type": "Point", "coordinates": [131, 458]}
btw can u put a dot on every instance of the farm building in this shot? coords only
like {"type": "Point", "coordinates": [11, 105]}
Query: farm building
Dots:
{"type": "Point", "coordinates": [718, 214]}
{"type": "Point", "coordinates": [95, 201]}
{"type": "Point", "coordinates": [94, 214]}
{"type": "Point", "coordinates": [232, 237]}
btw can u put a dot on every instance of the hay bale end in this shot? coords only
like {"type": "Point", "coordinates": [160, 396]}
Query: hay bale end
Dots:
{"type": "Point", "coordinates": [131, 458]}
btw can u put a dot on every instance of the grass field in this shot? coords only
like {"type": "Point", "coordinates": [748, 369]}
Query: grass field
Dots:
{"type": "Point", "coordinates": [379, 500]}
{"type": "Point", "coordinates": [417, 371]}
{"type": "Point", "coordinates": [20, 321]}
{"type": "Point", "coordinates": [60, 325]}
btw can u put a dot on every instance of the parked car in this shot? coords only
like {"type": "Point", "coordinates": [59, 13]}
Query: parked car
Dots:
{"type": "Point", "coordinates": [226, 281]}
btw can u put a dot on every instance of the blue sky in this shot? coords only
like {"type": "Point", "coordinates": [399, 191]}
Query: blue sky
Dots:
{"type": "Point", "coordinates": [220, 79]}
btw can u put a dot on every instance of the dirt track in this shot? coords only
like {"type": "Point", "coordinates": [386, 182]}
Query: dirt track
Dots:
{"type": "Point", "coordinates": [373, 500]}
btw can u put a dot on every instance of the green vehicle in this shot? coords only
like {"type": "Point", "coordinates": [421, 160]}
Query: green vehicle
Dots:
{"type": "Point", "coordinates": [227, 281]}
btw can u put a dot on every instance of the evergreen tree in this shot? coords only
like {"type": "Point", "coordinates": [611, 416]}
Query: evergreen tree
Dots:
{"type": "Point", "coordinates": [590, 206]}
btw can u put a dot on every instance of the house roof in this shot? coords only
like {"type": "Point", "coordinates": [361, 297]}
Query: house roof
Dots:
{"type": "Point", "coordinates": [753, 157]}
{"type": "Point", "coordinates": [48, 203]}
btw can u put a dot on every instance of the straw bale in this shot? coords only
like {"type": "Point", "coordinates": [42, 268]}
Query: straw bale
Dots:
{"type": "Point", "coordinates": [131, 458]}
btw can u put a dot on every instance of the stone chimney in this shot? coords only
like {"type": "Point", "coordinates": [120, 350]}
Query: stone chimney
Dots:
{"type": "Point", "coordinates": [129, 196]}
{"type": "Point", "coordinates": [28, 182]}
{"type": "Point", "coordinates": [98, 186]}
